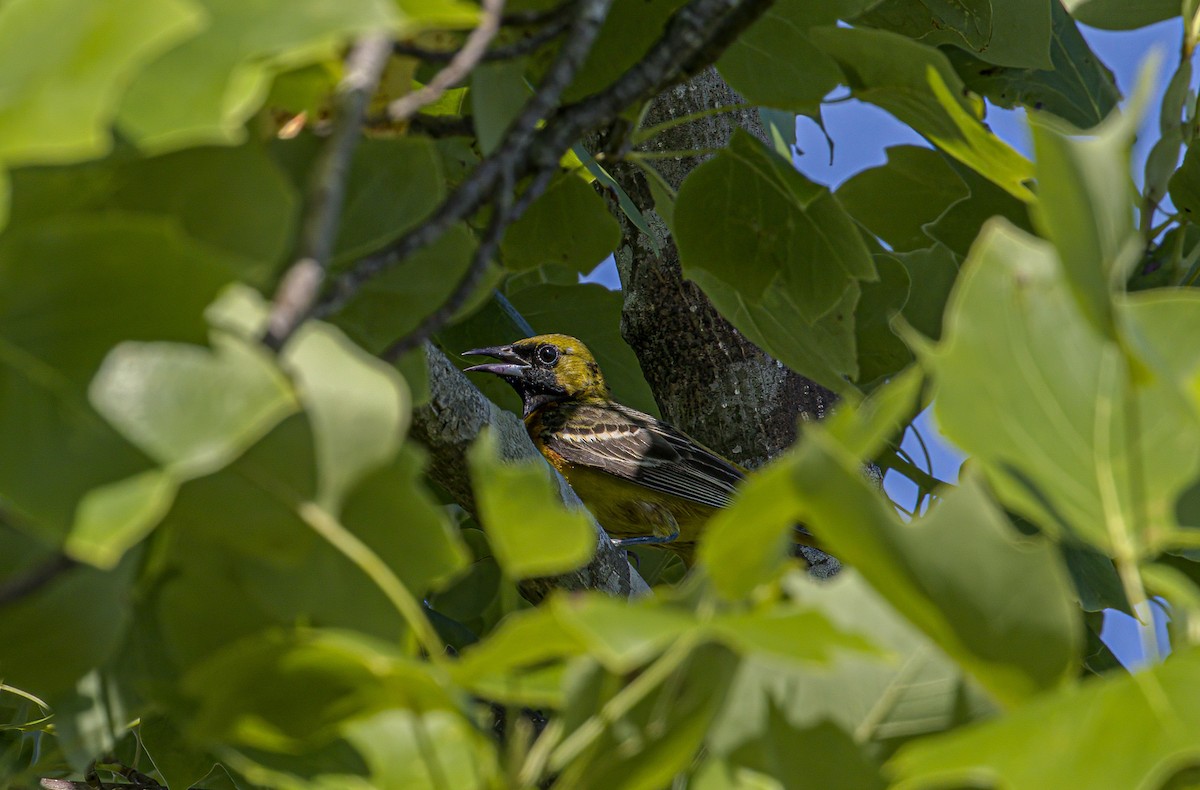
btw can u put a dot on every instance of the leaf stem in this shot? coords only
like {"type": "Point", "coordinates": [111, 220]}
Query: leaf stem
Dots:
{"type": "Point", "coordinates": [623, 701]}
{"type": "Point", "coordinates": [378, 571]}
{"type": "Point", "coordinates": [642, 135]}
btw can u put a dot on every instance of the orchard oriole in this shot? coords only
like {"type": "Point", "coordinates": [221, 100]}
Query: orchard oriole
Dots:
{"type": "Point", "coordinates": [644, 480]}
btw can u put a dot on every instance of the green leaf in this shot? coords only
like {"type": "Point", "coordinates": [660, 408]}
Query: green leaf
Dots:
{"type": "Point", "coordinates": [1083, 206]}
{"type": "Point", "coordinates": [392, 186]}
{"type": "Point", "coordinates": [1078, 87]}
{"type": "Point", "coordinates": [775, 64]}
{"type": "Point", "coordinates": [809, 758]}
{"type": "Point", "coordinates": [569, 225]}
{"type": "Point", "coordinates": [1015, 33]}
{"type": "Point", "coordinates": [881, 353]}
{"type": "Point", "coordinates": [531, 531]}
{"type": "Point", "coordinates": [629, 30]}
{"type": "Point", "coordinates": [913, 691]}
{"type": "Point", "coordinates": [1119, 731]}
{"type": "Point", "coordinates": [1120, 14]}
{"type": "Point", "coordinates": [51, 638]}
{"type": "Point", "coordinates": [931, 273]}
{"type": "Point", "coordinates": [191, 409]}
{"type": "Point", "coordinates": [1046, 405]}
{"type": "Point", "coordinates": [234, 199]}
{"type": "Point", "coordinates": [392, 304]}
{"type": "Point", "coordinates": [71, 289]}
{"type": "Point", "coordinates": [1012, 623]}
{"type": "Point", "coordinates": [745, 545]}
{"type": "Point", "coordinates": [405, 748]}
{"type": "Point", "coordinates": [917, 85]}
{"type": "Point", "coordinates": [750, 219]}
{"type": "Point", "coordinates": [959, 226]}
{"type": "Point", "coordinates": [1185, 185]}
{"type": "Point", "coordinates": [787, 634]}
{"type": "Point", "coordinates": [358, 407]}
{"type": "Point", "coordinates": [895, 201]}
{"type": "Point", "coordinates": [228, 67]}
{"type": "Point", "coordinates": [67, 62]}
{"type": "Point", "coordinates": [787, 278]}
{"type": "Point", "coordinates": [283, 690]}
{"type": "Point", "coordinates": [498, 92]}
{"type": "Point", "coordinates": [592, 313]}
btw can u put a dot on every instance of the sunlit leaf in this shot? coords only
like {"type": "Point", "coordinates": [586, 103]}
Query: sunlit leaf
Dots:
{"type": "Point", "coordinates": [532, 532]}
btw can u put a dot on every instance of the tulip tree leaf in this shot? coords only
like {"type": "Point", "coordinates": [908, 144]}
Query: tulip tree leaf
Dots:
{"type": "Point", "coordinates": [1052, 433]}
{"type": "Point", "coordinates": [531, 531]}
{"type": "Point", "coordinates": [916, 84]}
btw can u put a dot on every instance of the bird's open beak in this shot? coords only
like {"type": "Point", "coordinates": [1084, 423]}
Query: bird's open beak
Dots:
{"type": "Point", "coordinates": [510, 366]}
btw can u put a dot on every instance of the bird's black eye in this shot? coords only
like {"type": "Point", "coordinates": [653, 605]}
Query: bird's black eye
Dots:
{"type": "Point", "coordinates": [547, 354]}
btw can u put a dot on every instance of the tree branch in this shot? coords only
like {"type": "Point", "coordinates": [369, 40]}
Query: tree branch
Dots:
{"type": "Point", "coordinates": [507, 161]}
{"type": "Point", "coordinates": [459, 67]}
{"type": "Point", "coordinates": [509, 51]}
{"type": "Point", "coordinates": [447, 426]}
{"type": "Point", "coordinates": [301, 285]}
{"type": "Point", "coordinates": [21, 586]}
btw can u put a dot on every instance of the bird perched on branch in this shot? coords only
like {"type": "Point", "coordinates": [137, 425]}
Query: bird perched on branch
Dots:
{"type": "Point", "coordinates": [643, 480]}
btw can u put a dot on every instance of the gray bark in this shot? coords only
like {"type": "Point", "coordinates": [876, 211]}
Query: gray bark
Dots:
{"type": "Point", "coordinates": [708, 379]}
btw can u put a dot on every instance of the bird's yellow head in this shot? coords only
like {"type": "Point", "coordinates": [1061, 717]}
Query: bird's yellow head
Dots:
{"type": "Point", "coordinates": [546, 369]}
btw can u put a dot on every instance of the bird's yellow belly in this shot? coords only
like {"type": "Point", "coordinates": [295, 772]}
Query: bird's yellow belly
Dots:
{"type": "Point", "coordinates": [627, 510]}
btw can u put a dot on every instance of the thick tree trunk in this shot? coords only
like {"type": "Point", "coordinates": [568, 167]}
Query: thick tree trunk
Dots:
{"type": "Point", "coordinates": [708, 379]}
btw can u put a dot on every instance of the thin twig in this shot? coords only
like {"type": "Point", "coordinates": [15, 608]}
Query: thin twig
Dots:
{"type": "Point", "coordinates": [509, 51]}
{"type": "Point", "coordinates": [527, 148]}
{"type": "Point", "coordinates": [508, 158]}
{"type": "Point", "coordinates": [460, 65]}
{"type": "Point", "coordinates": [301, 285]}
{"type": "Point", "coordinates": [14, 589]}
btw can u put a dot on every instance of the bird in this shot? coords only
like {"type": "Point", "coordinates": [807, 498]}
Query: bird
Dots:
{"type": "Point", "coordinates": [644, 480]}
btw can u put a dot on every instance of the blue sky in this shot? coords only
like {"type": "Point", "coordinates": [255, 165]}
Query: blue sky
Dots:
{"type": "Point", "coordinates": [862, 132]}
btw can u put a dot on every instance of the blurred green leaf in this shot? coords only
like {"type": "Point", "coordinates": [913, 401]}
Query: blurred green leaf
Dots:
{"type": "Point", "coordinates": [71, 289]}
{"type": "Point", "coordinates": [809, 758]}
{"type": "Point", "coordinates": [592, 313]}
{"type": "Point", "coordinates": [916, 84]}
{"type": "Point", "coordinates": [894, 201]}
{"type": "Point", "coordinates": [568, 225]}
{"type": "Point", "coordinates": [52, 637]}
{"type": "Point", "coordinates": [629, 30]}
{"type": "Point", "coordinates": [283, 690]}
{"type": "Point", "coordinates": [1067, 739]}
{"type": "Point", "coordinates": [1077, 87]}
{"type": "Point", "coordinates": [1009, 621]}
{"type": "Point", "coordinates": [391, 187]}
{"type": "Point", "coordinates": [228, 67]}
{"type": "Point", "coordinates": [193, 410]}
{"type": "Point", "coordinates": [67, 63]}
{"type": "Point", "coordinates": [391, 305]}
{"type": "Point", "coordinates": [910, 691]}
{"type": "Point", "coordinates": [498, 91]}
{"type": "Point", "coordinates": [1084, 196]}
{"type": "Point", "coordinates": [234, 199]}
{"type": "Point", "coordinates": [1185, 185]}
{"type": "Point", "coordinates": [436, 748]}
{"type": "Point", "coordinates": [1027, 386]}
{"type": "Point", "coordinates": [358, 407]}
{"type": "Point", "coordinates": [530, 529]}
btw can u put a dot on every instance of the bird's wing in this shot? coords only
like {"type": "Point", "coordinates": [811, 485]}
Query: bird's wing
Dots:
{"type": "Point", "coordinates": [636, 447]}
